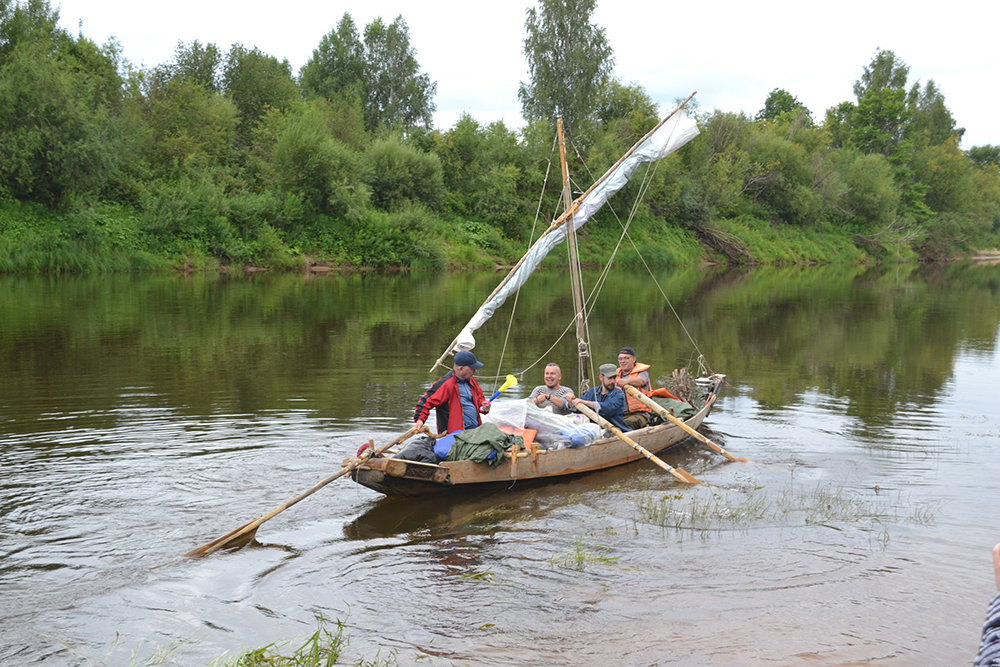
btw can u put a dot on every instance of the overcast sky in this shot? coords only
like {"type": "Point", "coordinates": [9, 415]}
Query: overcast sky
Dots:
{"type": "Point", "coordinates": [732, 53]}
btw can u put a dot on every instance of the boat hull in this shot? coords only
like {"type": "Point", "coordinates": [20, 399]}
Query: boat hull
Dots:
{"type": "Point", "coordinates": [399, 477]}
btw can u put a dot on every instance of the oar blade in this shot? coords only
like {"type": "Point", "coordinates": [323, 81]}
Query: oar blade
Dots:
{"type": "Point", "coordinates": [234, 539]}
{"type": "Point", "coordinates": [242, 536]}
{"type": "Point", "coordinates": [684, 476]}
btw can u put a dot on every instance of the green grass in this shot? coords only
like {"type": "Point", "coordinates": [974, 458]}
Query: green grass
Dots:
{"type": "Point", "coordinates": [750, 505]}
{"type": "Point", "coordinates": [579, 557]}
{"type": "Point", "coordinates": [324, 647]}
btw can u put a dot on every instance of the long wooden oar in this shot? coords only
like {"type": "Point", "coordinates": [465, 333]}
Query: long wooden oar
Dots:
{"type": "Point", "coordinates": [240, 537]}
{"type": "Point", "coordinates": [663, 412]}
{"type": "Point", "coordinates": [604, 423]}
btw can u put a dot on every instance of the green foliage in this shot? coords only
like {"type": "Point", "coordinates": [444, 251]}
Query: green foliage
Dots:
{"type": "Point", "coordinates": [398, 174]}
{"type": "Point", "coordinates": [984, 155]}
{"type": "Point", "coordinates": [885, 71]}
{"type": "Point", "coordinates": [870, 198]}
{"type": "Point", "coordinates": [931, 121]}
{"type": "Point", "coordinates": [945, 170]}
{"type": "Point", "coordinates": [55, 94]}
{"type": "Point", "coordinates": [31, 22]}
{"type": "Point", "coordinates": [195, 63]}
{"type": "Point", "coordinates": [195, 219]}
{"type": "Point", "coordinates": [484, 172]}
{"type": "Point", "coordinates": [256, 82]}
{"type": "Point", "coordinates": [770, 244]}
{"type": "Point", "coordinates": [396, 97]}
{"type": "Point", "coordinates": [401, 238]}
{"type": "Point", "coordinates": [382, 72]}
{"type": "Point", "coordinates": [33, 239]}
{"type": "Point", "coordinates": [782, 103]}
{"type": "Point", "coordinates": [569, 59]}
{"type": "Point", "coordinates": [337, 65]}
{"type": "Point", "coordinates": [208, 159]}
{"type": "Point", "coordinates": [308, 162]}
{"type": "Point", "coordinates": [879, 122]}
{"type": "Point", "coordinates": [788, 195]}
{"type": "Point", "coordinates": [619, 102]}
{"type": "Point", "coordinates": [321, 648]}
{"type": "Point", "coordinates": [190, 127]}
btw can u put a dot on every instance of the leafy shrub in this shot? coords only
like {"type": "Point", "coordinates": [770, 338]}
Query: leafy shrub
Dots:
{"type": "Point", "coordinates": [384, 239]}
{"type": "Point", "coordinates": [399, 174]}
{"type": "Point", "coordinates": [307, 161]}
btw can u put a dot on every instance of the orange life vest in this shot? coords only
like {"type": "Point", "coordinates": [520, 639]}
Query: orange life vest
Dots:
{"type": "Point", "coordinates": [634, 404]}
{"type": "Point", "coordinates": [662, 392]}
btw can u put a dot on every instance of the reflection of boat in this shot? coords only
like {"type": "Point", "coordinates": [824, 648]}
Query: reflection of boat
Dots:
{"type": "Point", "coordinates": [390, 517]}
{"type": "Point", "coordinates": [394, 476]}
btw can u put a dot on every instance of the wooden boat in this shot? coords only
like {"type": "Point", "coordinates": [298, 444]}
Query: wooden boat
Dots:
{"type": "Point", "coordinates": [400, 477]}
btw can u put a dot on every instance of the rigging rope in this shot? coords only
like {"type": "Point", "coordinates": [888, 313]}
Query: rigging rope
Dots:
{"type": "Point", "coordinates": [647, 180]}
{"type": "Point", "coordinates": [591, 299]}
{"type": "Point", "coordinates": [531, 240]}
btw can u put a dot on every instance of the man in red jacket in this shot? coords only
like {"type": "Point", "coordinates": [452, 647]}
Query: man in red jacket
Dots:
{"type": "Point", "coordinates": [457, 396]}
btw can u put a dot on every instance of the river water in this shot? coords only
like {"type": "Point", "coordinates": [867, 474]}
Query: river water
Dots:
{"type": "Point", "coordinates": [143, 416]}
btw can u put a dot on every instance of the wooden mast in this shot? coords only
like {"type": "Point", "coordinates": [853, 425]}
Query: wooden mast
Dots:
{"type": "Point", "coordinates": [561, 220]}
{"type": "Point", "coordinates": [582, 344]}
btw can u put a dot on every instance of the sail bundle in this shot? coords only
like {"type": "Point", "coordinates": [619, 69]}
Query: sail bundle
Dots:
{"type": "Point", "coordinates": [675, 131]}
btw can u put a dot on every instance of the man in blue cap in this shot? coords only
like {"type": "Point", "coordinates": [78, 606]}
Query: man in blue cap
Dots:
{"type": "Point", "coordinates": [457, 396]}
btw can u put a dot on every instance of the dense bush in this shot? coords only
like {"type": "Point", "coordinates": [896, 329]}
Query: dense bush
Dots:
{"type": "Point", "coordinates": [398, 174]}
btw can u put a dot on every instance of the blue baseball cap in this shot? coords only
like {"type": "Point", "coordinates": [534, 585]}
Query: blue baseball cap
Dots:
{"type": "Point", "coordinates": [466, 358]}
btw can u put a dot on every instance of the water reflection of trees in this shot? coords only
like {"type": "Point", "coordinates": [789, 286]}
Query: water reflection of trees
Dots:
{"type": "Point", "coordinates": [360, 345]}
{"type": "Point", "coordinates": [877, 337]}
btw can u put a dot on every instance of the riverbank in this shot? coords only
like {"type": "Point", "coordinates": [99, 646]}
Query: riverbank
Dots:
{"type": "Point", "coordinates": [35, 239]}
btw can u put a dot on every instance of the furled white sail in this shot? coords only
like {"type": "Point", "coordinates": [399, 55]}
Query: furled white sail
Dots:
{"type": "Point", "coordinates": [675, 131]}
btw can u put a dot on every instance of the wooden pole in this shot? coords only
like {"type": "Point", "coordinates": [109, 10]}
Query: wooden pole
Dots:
{"type": "Point", "coordinates": [558, 222]}
{"type": "Point", "coordinates": [582, 344]}
{"type": "Point", "coordinates": [679, 474]}
{"type": "Point", "coordinates": [663, 412]}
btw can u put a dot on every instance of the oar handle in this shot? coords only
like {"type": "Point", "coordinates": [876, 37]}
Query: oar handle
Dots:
{"type": "Point", "coordinates": [604, 423]}
{"type": "Point", "coordinates": [663, 412]}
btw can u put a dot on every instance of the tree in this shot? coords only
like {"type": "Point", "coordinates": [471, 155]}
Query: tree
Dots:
{"type": "Point", "coordinates": [932, 123]}
{"type": "Point", "coordinates": [983, 156]}
{"type": "Point", "coordinates": [381, 72]}
{"type": "Point", "coordinates": [55, 93]}
{"type": "Point", "coordinates": [201, 64]}
{"type": "Point", "coordinates": [397, 96]}
{"type": "Point", "coordinates": [568, 61]}
{"type": "Point", "coordinates": [780, 102]}
{"type": "Point", "coordinates": [190, 126]}
{"type": "Point", "coordinates": [255, 82]}
{"type": "Point", "coordinates": [23, 23]}
{"type": "Point", "coordinates": [884, 71]}
{"type": "Point", "coordinates": [337, 65]}
{"type": "Point", "coordinates": [398, 174]}
{"type": "Point", "coordinates": [618, 101]}
{"type": "Point", "coordinates": [308, 162]}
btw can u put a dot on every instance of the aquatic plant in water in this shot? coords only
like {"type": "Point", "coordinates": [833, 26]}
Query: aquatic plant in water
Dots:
{"type": "Point", "coordinates": [750, 504]}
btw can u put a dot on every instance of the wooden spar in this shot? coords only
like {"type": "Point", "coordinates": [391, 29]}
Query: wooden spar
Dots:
{"type": "Point", "coordinates": [582, 343]}
{"type": "Point", "coordinates": [681, 475]}
{"type": "Point", "coordinates": [666, 414]}
{"type": "Point", "coordinates": [558, 222]}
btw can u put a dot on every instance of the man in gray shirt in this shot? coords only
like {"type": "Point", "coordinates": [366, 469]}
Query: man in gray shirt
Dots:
{"type": "Point", "coordinates": [552, 393]}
